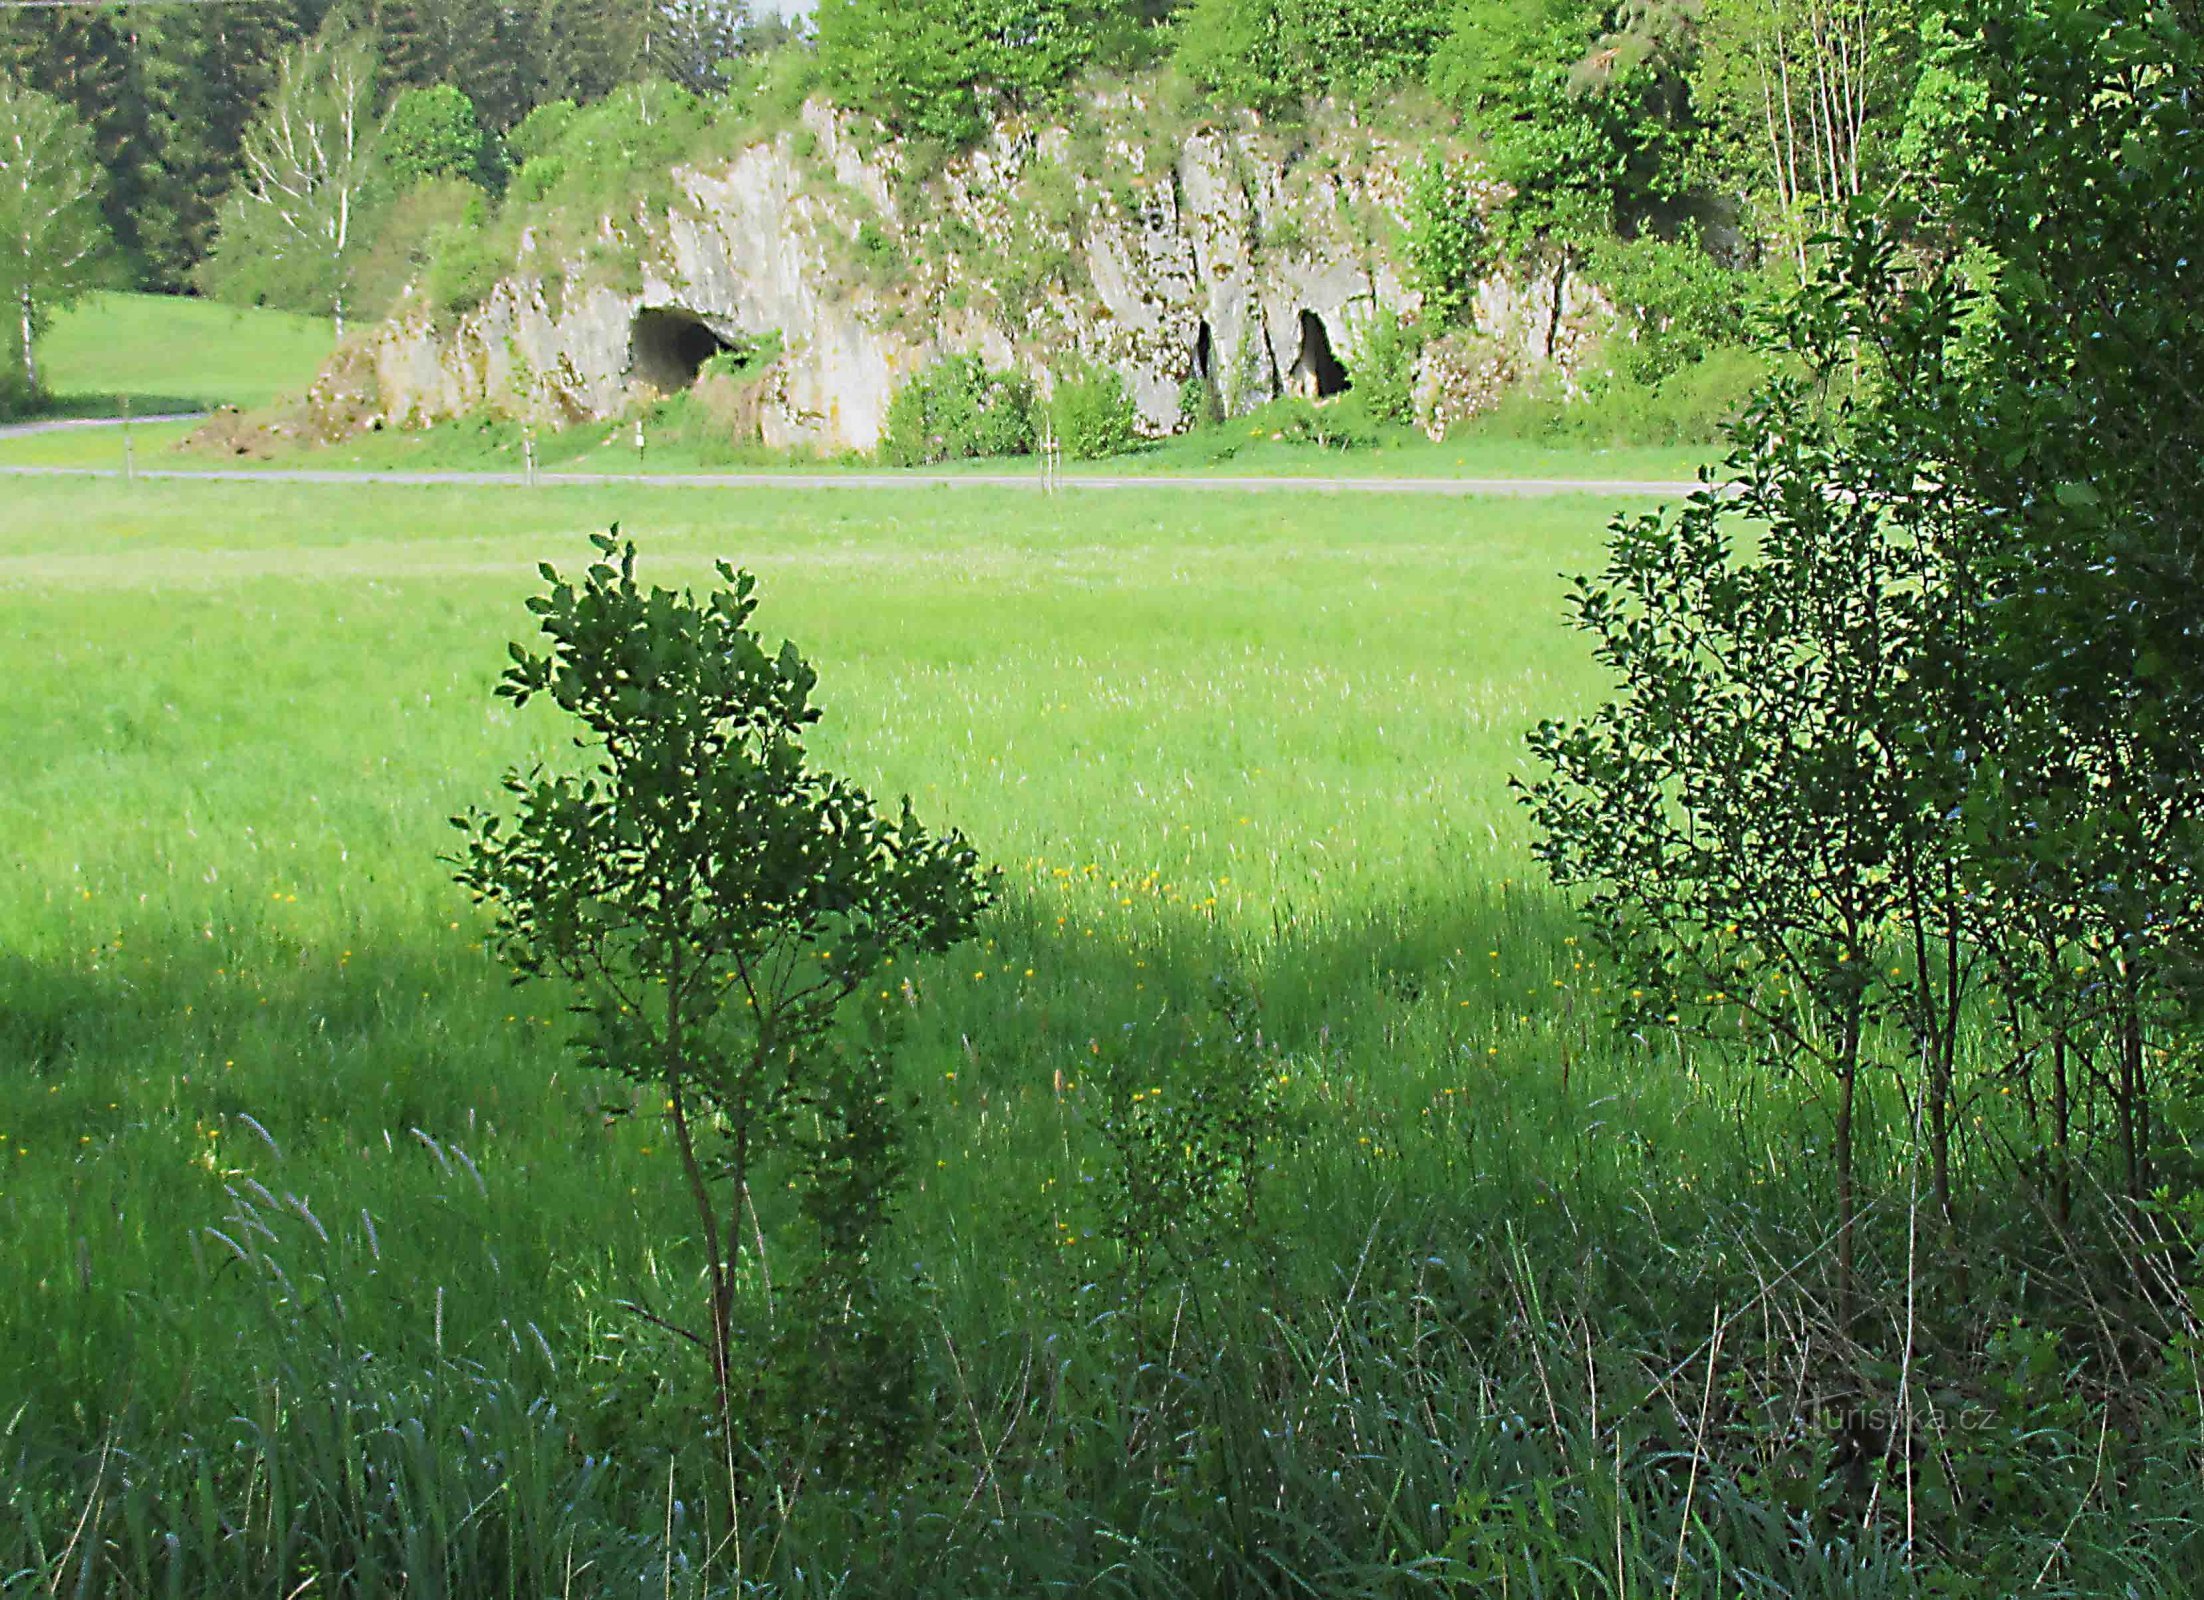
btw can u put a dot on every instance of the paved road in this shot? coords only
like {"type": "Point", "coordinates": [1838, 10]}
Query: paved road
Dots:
{"type": "Point", "coordinates": [1609, 487]}
{"type": "Point", "coordinates": [19, 430]}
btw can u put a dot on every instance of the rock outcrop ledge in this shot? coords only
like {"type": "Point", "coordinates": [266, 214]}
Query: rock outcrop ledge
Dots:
{"type": "Point", "coordinates": [1251, 265]}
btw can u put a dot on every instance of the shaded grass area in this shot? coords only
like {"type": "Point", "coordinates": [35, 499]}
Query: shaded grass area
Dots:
{"type": "Point", "coordinates": [320, 1240]}
{"type": "Point", "coordinates": [169, 353]}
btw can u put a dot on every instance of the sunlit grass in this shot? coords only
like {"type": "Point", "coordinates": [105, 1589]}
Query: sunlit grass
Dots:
{"type": "Point", "coordinates": [249, 1021]}
{"type": "Point", "coordinates": [169, 353]}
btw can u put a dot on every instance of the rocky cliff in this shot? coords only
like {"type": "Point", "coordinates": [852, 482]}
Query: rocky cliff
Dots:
{"type": "Point", "coordinates": [1226, 254]}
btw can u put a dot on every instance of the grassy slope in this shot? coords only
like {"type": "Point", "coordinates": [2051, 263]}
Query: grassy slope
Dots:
{"type": "Point", "coordinates": [1200, 736]}
{"type": "Point", "coordinates": [168, 353]}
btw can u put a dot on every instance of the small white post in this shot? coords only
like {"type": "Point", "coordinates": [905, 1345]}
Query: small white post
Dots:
{"type": "Point", "coordinates": [638, 444]}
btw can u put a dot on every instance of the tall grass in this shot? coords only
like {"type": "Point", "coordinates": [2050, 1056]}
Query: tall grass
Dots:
{"type": "Point", "coordinates": [318, 1244]}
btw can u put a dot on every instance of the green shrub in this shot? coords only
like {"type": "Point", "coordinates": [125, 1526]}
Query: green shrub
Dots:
{"type": "Point", "coordinates": [745, 362]}
{"type": "Point", "coordinates": [1274, 55]}
{"type": "Point", "coordinates": [1385, 376]}
{"type": "Point", "coordinates": [1200, 404]}
{"type": "Point", "coordinates": [539, 132]}
{"type": "Point", "coordinates": [1688, 407]}
{"type": "Point", "coordinates": [1341, 424]}
{"type": "Point", "coordinates": [465, 269]}
{"type": "Point", "coordinates": [15, 390]}
{"type": "Point", "coordinates": [432, 133]}
{"type": "Point", "coordinates": [409, 234]}
{"type": "Point", "coordinates": [956, 410]}
{"type": "Point", "coordinates": [1447, 247]}
{"type": "Point", "coordinates": [1677, 303]}
{"type": "Point", "coordinates": [537, 178]}
{"type": "Point", "coordinates": [1092, 415]}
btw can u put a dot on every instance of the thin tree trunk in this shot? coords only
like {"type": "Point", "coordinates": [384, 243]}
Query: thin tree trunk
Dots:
{"type": "Point", "coordinates": [2062, 1117]}
{"type": "Point", "coordinates": [30, 356]}
{"type": "Point", "coordinates": [1848, 1079]}
{"type": "Point", "coordinates": [2134, 1111]}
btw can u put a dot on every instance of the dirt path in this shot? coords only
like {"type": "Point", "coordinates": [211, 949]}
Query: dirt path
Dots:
{"type": "Point", "coordinates": [1519, 487]}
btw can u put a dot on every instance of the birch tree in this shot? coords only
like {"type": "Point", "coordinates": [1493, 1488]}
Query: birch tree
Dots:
{"type": "Point", "coordinates": [292, 223]}
{"type": "Point", "coordinates": [53, 237]}
{"type": "Point", "coordinates": [1804, 98]}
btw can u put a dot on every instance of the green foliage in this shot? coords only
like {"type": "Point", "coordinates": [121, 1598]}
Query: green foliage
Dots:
{"type": "Point", "coordinates": [294, 224]}
{"type": "Point", "coordinates": [958, 409]}
{"type": "Point", "coordinates": [1694, 405]}
{"type": "Point", "coordinates": [1190, 1138]}
{"type": "Point", "coordinates": [465, 265]}
{"type": "Point", "coordinates": [411, 236]}
{"type": "Point", "coordinates": [2065, 415]}
{"type": "Point", "coordinates": [1385, 374]}
{"type": "Point", "coordinates": [936, 68]}
{"type": "Point", "coordinates": [1341, 424]}
{"type": "Point", "coordinates": [610, 155]}
{"type": "Point", "coordinates": [53, 239]}
{"type": "Point", "coordinates": [1580, 148]}
{"type": "Point", "coordinates": [16, 395]}
{"type": "Point", "coordinates": [1905, 732]}
{"type": "Point", "coordinates": [1447, 250]}
{"type": "Point", "coordinates": [771, 87]}
{"type": "Point", "coordinates": [1200, 405]}
{"type": "Point", "coordinates": [542, 130]}
{"type": "Point", "coordinates": [1275, 55]}
{"type": "Point", "coordinates": [1091, 414]}
{"type": "Point", "coordinates": [1791, 129]}
{"type": "Point", "coordinates": [710, 901]}
{"type": "Point", "coordinates": [741, 363]}
{"type": "Point", "coordinates": [431, 133]}
{"type": "Point", "coordinates": [1740, 823]}
{"type": "Point", "coordinates": [1676, 302]}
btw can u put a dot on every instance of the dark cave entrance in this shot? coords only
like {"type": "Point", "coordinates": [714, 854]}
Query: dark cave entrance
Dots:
{"type": "Point", "coordinates": [1317, 372]}
{"type": "Point", "coordinates": [667, 348]}
{"type": "Point", "coordinates": [1205, 353]}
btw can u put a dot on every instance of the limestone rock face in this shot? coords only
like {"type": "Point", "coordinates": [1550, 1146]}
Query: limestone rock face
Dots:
{"type": "Point", "coordinates": [1219, 257]}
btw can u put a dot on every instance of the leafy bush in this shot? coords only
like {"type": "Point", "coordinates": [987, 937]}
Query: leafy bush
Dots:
{"type": "Point", "coordinates": [1273, 55]}
{"type": "Point", "coordinates": [935, 67]}
{"type": "Point", "coordinates": [1199, 403]}
{"type": "Point", "coordinates": [539, 133]}
{"type": "Point", "coordinates": [770, 88]}
{"type": "Point", "coordinates": [1385, 376]}
{"type": "Point", "coordinates": [1092, 415]}
{"type": "Point", "coordinates": [1691, 406]}
{"type": "Point", "coordinates": [431, 133]}
{"type": "Point", "coordinates": [1341, 424]}
{"type": "Point", "coordinates": [15, 390]}
{"type": "Point", "coordinates": [699, 857]}
{"type": "Point", "coordinates": [1676, 301]}
{"type": "Point", "coordinates": [956, 410]}
{"type": "Point", "coordinates": [742, 363]}
{"type": "Point", "coordinates": [612, 155]}
{"type": "Point", "coordinates": [466, 268]}
{"type": "Point", "coordinates": [408, 235]}
{"type": "Point", "coordinates": [1190, 1138]}
{"type": "Point", "coordinates": [1447, 249]}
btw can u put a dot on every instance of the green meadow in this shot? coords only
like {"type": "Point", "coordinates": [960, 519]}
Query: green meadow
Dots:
{"type": "Point", "coordinates": [163, 353]}
{"type": "Point", "coordinates": [323, 1255]}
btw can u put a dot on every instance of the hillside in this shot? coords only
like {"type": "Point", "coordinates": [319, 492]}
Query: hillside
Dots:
{"type": "Point", "coordinates": [810, 273]}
